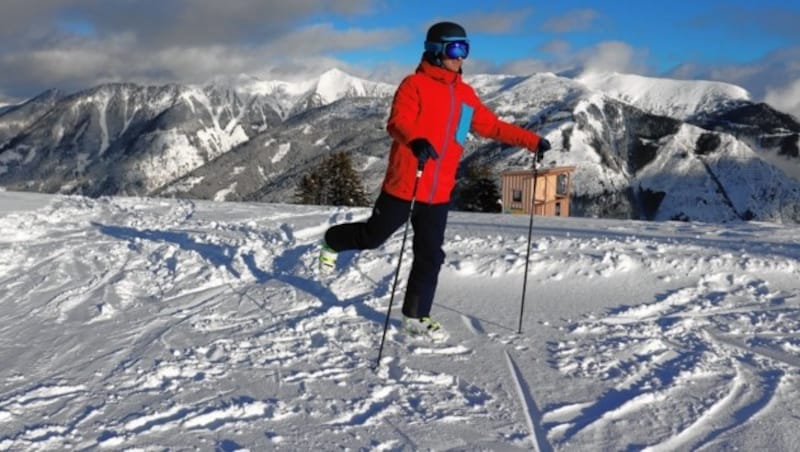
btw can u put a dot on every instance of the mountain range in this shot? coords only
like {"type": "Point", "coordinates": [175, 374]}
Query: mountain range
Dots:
{"type": "Point", "coordinates": [643, 147]}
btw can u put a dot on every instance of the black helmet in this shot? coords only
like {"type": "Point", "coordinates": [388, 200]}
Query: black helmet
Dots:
{"type": "Point", "coordinates": [441, 31]}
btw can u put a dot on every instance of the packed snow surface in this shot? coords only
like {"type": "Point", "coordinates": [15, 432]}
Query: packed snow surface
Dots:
{"type": "Point", "coordinates": [144, 324]}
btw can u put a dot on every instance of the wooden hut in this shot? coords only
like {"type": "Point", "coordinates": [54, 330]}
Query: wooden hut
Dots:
{"type": "Point", "coordinates": [552, 191]}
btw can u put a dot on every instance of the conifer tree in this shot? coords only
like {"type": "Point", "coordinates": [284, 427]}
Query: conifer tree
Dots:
{"type": "Point", "coordinates": [332, 182]}
{"type": "Point", "coordinates": [479, 191]}
{"type": "Point", "coordinates": [309, 190]}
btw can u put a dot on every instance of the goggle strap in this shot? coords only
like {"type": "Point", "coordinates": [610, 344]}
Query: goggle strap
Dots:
{"type": "Point", "coordinates": [453, 38]}
{"type": "Point", "coordinates": [435, 47]}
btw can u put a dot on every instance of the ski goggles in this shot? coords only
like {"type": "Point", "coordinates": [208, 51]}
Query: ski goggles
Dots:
{"type": "Point", "coordinates": [452, 48]}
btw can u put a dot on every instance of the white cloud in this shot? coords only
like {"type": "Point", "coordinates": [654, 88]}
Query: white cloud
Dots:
{"type": "Point", "coordinates": [610, 56]}
{"type": "Point", "coordinates": [558, 48]}
{"type": "Point", "coordinates": [79, 62]}
{"type": "Point", "coordinates": [169, 23]}
{"type": "Point", "coordinates": [74, 44]}
{"type": "Point", "coordinates": [498, 22]}
{"type": "Point", "coordinates": [321, 38]}
{"type": "Point", "coordinates": [525, 67]}
{"type": "Point", "coordinates": [771, 79]}
{"type": "Point", "coordinates": [786, 98]}
{"type": "Point", "coordinates": [575, 20]}
{"type": "Point", "coordinates": [613, 56]}
{"type": "Point", "coordinates": [192, 41]}
{"type": "Point", "coordinates": [389, 72]}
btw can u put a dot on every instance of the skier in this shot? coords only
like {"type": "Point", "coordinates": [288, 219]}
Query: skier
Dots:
{"type": "Point", "coordinates": [432, 111]}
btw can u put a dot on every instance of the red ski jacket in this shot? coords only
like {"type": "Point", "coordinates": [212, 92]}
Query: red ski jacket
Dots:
{"type": "Point", "coordinates": [436, 104]}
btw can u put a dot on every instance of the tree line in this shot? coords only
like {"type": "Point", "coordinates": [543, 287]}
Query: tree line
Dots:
{"type": "Point", "coordinates": [335, 182]}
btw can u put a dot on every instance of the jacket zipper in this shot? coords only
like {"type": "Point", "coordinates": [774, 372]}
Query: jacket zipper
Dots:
{"type": "Point", "coordinates": [446, 142]}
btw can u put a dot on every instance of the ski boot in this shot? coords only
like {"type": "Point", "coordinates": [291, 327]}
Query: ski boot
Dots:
{"type": "Point", "coordinates": [327, 259]}
{"type": "Point", "coordinates": [424, 327]}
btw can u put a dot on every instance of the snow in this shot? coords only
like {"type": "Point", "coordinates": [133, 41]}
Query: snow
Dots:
{"type": "Point", "coordinates": [222, 195]}
{"type": "Point", "coordinates": [256, 87]}
{"type": "Point", "coordinates": [58, 132]}
{"type": "Point", "coordinates": [526, 94]}
{"type": "Point", "coordinates": [13, 155]}
{"type": "Point", "coordinates": [219, 139]}
{"type": "Point", "coordinates": [328, 87]}
{"type": "Point", "coordinates": [283, 151]}
{"type": "Point", "coordinates": [23, 153]}
{"type": "Point", "coordinates": [82, 161]}
{"type": "Point", "coordinates": [102, 107]}
{"type": "Point", "coordinates": [679, 99]}
{"type": "Point", "coordinates": [173, 155]}
{"type": "Point", "coordinates": [141, 324]}
{"type": "Point", "coordinates": [184, 185]}
{"type": "Point", "coordinates": [369, 162]}
{"type": "Point", "coordinates": [335, 84]}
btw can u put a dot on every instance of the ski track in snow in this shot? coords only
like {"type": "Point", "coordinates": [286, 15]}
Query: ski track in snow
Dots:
{"type": "Point", "coordinates": [160, 324]}
{"type": "Point", "coordinates": [653, 350]}
{"type": "Point", "coordinates": [530, 410]}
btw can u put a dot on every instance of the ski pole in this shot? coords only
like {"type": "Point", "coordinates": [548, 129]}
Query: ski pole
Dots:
{"type": "Point", "coordinates": [400, 261]}
{"type": "Point", "coordinates": [530, 232]}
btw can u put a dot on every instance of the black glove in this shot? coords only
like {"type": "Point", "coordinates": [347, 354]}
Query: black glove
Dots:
{"type": "Point", "coordinates": [423, 150]}
{"type": "Point", "coordinates": [543, 147]}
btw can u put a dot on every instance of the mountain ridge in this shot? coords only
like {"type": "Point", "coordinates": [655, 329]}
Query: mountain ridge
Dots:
{"type": "Point", "coordinates": [249, 139]}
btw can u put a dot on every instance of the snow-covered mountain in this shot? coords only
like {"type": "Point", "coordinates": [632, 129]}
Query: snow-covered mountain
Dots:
{"type": "Point", "coordinates": [656, 148]}
{"type": "Point", "coordinates": [678, 99]}
{"type": "Point", "coordinates": [644, 147]}
{"type": "Point", "coordinates": [290, 98]}
{"type": "Point", "coordinates": [334, 85]}
{"type": "Point", "coordinates": [123, 138]}
{"type": "Point", "coordinates": [17, 118]}
{"type": "Point", "coordinates": [128, 139]}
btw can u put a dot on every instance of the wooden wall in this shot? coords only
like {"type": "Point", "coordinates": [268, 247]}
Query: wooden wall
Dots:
{"type": "Point", "coordinates": [552, 191]}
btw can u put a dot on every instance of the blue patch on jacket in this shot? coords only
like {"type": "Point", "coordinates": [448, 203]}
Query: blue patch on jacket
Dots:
{"type": "Point", "coordinates": [464, 123]}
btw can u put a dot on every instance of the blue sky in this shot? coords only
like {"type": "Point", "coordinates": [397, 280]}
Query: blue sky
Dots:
{"type": "Point", "coordinates": [75, 44]}
{"type": "Point", "coordinates": [672, 33]}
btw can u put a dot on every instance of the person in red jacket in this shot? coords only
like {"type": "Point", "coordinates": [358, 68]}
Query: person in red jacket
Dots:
{"type": "Point", "coordinates": [432, 111]}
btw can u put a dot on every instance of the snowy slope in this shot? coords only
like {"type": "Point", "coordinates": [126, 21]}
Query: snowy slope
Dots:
{"type": "Point", "coordinates": [680, 99]}
{"type": "Point", "coordinates": [730, 184]}
{"type": "Point", "coordinates": [17, 118]}
{"type": "Point", "coordinates": [528, 100]}
{"type": "Point", "coordinates": [127, 138]}
{"type": "Point", "coordinates": [135, 323]}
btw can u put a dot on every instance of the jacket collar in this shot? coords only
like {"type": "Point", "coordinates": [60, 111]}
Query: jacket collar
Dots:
{"type": "Point", "coordinates": [438, 73]}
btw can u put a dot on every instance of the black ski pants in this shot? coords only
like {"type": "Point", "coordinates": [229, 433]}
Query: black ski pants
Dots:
{"type": "Point", "coordinates": [389, 214]}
